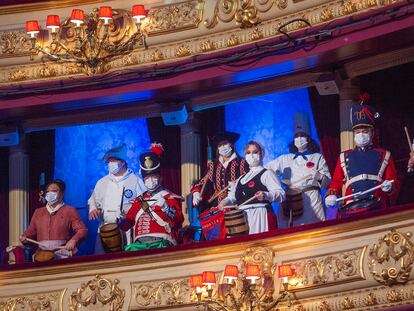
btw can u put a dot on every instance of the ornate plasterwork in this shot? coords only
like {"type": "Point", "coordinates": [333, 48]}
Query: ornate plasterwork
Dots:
{"type": "Point", "coordinates": [161, 293]}
{"type": "Point", "coordinates": [390, 261]}
{"type": "Point", "coordinates": [174, 17]}
{"type": "Point", "coordinates": [47, 301]}
{"type": "Point", "coordinates": [104, 293]}
{"type": "Point", "coordinates": [203, 42]}
{"type": "Point", "coordinates": [14, 43]}
{"type": "Point", "coordinates": [328, 269]}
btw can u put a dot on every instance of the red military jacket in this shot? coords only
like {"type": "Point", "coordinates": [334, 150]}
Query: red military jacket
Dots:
{"type": "Point", "coordinates": [163, 217]}
{"type": "Point", "coordinates": [357, 169]}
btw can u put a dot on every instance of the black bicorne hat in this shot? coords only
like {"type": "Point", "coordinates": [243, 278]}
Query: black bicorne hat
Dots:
{"type": "Point", "coordinates": [150, 162]}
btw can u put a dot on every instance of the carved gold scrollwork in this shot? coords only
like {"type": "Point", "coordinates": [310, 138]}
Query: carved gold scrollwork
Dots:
{"type": "Point", "coordinates": [163, 293]}
{"type": "Point", "coordinates": [395, 295]}
{"type": "Point", "coordinates": [256, 34]}
{"type": "Point", "coordinates": [156, 56]}
{"type": "Point", "coordinates": [244, 12]}
{"type": "Point", "coordinates": [232, 41]}
{"type": "Point", "coordinates": [101, 290]}
{"type": "Point", "coordinates": [174, 17]}
{"type": "Point", "coordinates": [207, 46]}
{"type": "Point", "coordinates": [182, 51]}
{"type": "Point", "coordinates": [370, 300]}
{"type": "Point", "coordinates": [18, 75]}
{"type": "Point", "coordinates": [347, 303]}
{"type": "Point", "coordinates": [35, 302]}
{"type": "Point", "coordinates": [324, 306]}
{"type": "Point", "coordinates": [390, 261]}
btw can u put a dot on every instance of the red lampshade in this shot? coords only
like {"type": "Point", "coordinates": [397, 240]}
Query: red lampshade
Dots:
{"type": "Point", "coordinates": [77, 16]}
{"type": "Point", "coordinates": [285, 271]}
{"type": "Point", "coordinates": [209, 278]}
{"type": "Point", "coordinates": [32, 26]}
{"type": "Point", "coordinates": [52, 21]}
{"type": "Point", "coordinates": [252, 272]}
{"type": "Point", "coordinates": [231, 272]}
{"type": "Point", "coordinates": [138, 12]}
{"type": "Point", "coordinates": [105, 12]}
{"type": "Point", "coordinates": [196, 281]}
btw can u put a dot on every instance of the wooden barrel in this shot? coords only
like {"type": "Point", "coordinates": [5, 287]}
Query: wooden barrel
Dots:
{"type": "Point", "coordinates": [293, 201]}
{"type": "Point", "coordinates": [43, 256]}
{"type": "Point", "coordinates": [111, 238]}
{"type": "Point", "coordinates": [235, 223]}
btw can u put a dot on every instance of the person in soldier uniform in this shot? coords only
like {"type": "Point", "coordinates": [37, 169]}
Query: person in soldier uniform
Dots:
{"type": "Point", "coordinates": [112, 194]}
{"type": "Point", "coordinates": [363, 168]}
{"type": "Point", "coordinates": [227, 168]}
{"type": "Point", "coordinates": [304, 171]}
{"type": "Point", "coordinates": [156, 215]}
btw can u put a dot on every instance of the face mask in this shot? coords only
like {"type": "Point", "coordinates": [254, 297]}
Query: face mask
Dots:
{"type": "Point", "coordinates": [301, 142]}
{"type": "Point", "coordinates": [253, 159]}
{"type": "Point", "coordinates": [51, 197]}
{"type": "Point", "coordinates": [151, 183]}
{"type": "Point", "coordinates": [114, 167]}
{"type": "Point", "coordinates": [225, 150]}
{"type": "Point", "coordinates": [362, 139]}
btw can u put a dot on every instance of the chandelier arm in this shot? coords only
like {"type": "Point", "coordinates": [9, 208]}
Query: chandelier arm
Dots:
{"type": "Point", "coordinates": [221, 306]}
{"type": "Point", "coordinates": [68, 51]}
{"type": "Point", "coordinates": [276, 302]}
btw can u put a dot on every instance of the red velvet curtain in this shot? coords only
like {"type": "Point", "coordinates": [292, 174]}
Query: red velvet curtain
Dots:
{"type": "Point", "coordinates": [326, 115]}
{"type": "Point", "coordinates": [4, 197]}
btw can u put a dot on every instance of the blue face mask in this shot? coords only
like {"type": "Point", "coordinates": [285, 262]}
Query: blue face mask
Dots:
{"type": "Point", "coordinates": [51, 197]}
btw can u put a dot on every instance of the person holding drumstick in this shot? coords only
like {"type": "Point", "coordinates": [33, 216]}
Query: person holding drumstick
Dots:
{"type": "Point", "coordinates": [363, 169]}
{"type": "Point", "coordinates": [56, 224]}
{"type": "Point", "coordinates": [156, 215]}
{"type": "Point", "coordinates": [305, 172]}
{"type": "Point", "coordinates": [111, 197]}
{"type": "Point", "coordinates": [254, 192]}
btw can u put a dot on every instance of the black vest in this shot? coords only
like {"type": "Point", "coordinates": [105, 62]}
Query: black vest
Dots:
{"type": "Point", "coordinates": [246, 191]}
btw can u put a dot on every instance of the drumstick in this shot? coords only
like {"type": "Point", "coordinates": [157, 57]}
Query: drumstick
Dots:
{"type": "Point", "coordinates": [360, 192]}
{"type": "Point", "coordinates": [305, 177]}
{"type": "Point", "coordinates": [35, 242]}
{"type": "Point", "coordinates": [408, 139]}
{"type": "Point", "coordinates": [215, 195]}
{"type": "Point", "coordinates": [248, 201]}
{"type": "Point", "coordinates": [204, 185]}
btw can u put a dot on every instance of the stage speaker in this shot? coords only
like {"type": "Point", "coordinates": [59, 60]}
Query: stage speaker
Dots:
{"type": "Point", "coordinates": [328, 84]}
{"type": "Point", "coordinates": [9, 138]}
{"type": "Point", "coordinates": [175, 115]}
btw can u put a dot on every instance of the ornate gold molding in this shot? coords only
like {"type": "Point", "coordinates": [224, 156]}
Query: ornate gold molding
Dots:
{"type": "Point", "coordinates": [45, 301]}
{"type": "Point", "coordinates": [169, 51]}
{"type": "Point", "coordinates": [390, 261]}
{"type": "Point", "coordinates": [98, 290]}
{"type": "Point", "coordinates": [326, 270]}
{"type": "Point", "coordinates": [174, 17]}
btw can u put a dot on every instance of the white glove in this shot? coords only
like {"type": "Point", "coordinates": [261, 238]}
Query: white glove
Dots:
{"type": "Point", "coordinates": [386, 186]}
{"type": "Point", "coordinates": [330, 200]}
{"type": "Point", "coordinates": [161, 202]}
{"type": "Point", "coordinates": [196, 198]}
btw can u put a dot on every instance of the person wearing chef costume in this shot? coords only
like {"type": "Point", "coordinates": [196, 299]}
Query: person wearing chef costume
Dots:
{"type": "Point", "coordinates": [112, 194]}
{"type": "Point", "coordinates": [260, 183]}
{"type": "Point", "coordinates": [304, 169]}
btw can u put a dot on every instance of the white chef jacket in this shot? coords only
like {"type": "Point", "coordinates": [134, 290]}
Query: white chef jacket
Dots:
{"type": "Point", "coordinates": [107, 194]}
{"type": "Point", "coordinates": [287, 167]}
{"type": "Point", "coordinates": [257, 213]}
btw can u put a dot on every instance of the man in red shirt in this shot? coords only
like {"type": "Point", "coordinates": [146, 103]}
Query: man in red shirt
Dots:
{"type": "Point", "coordinates": [363, 168]}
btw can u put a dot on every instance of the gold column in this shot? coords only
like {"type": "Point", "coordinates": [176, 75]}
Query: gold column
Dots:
{"type": "Point", "coordinates": [347, 97]}
{"type": "Point", "coordinates": [190, 161]}
{"type": "Point", "coordinates": [18, 191]}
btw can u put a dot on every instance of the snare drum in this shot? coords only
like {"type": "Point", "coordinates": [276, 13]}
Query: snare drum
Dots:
{"type": "Point", "coordinates": [111, 237]}
{"type": "Point", "coordinates": [212, 224]}
{"type": "Point", "coordinates": [359, 207]}
{"type": "Point", "coordinates": [294, 203]}
{"type": "Point", "coordinates": [43, 255]}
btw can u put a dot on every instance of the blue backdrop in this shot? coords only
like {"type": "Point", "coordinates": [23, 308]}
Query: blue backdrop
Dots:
{"type": "Point", "coordinates": [78, 160]}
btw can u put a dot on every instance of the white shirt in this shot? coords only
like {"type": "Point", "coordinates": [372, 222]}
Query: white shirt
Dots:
{"type": "Point", "coordinates": [107, 194]}
{"type": "Point", "coordinates": [292, 169]}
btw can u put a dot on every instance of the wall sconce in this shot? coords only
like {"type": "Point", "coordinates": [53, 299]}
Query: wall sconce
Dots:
{"type": "Point", "coordinates": [88, 40]}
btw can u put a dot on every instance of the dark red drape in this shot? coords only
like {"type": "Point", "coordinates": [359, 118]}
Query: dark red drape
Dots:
{"type": "Point", "coordinates": [326, 115]}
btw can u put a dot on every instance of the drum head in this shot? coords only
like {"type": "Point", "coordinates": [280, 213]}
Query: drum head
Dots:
{"type": "Point", "coordinates": [43, 256]}
{"type": "Point", "coordinates": [293, 191]}
{"type": "Point", "coordinates": [108, 227]}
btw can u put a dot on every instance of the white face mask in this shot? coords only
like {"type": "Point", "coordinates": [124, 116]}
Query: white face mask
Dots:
{"type": "Point", "coordinates": [225, 150]}
{"type": "Point", "coordinates": [301, 142]}
{"type": "Point", "coordinates": [253, 159]}
{"type": "Point", "coordinates": [114, 167]}
{"type": "Point", "coordinates": [51, 197]}
{"type": "Point", "coordinates": [152, 182]}
{"type": "Point", "coordinates": [362, 139]}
